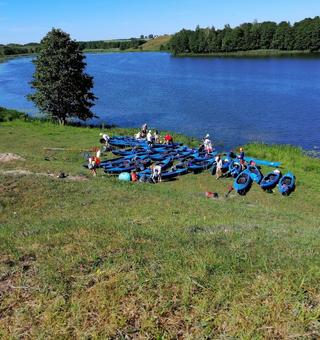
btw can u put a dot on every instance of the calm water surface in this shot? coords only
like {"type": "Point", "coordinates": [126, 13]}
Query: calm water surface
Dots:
{"type": "Point", "coordinates": [236, 100]}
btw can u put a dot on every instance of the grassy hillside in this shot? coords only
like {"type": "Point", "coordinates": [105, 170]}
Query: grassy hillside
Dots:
{"type": "Point", "coordinates": [155, 44]}
{"type": "Point", "coordinates": [98, 258]}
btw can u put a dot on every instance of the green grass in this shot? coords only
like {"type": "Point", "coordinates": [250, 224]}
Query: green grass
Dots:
{"type": "Point", "coordinates": [156, 43]}
{"type": "Point", "coordinates": [102, 259]}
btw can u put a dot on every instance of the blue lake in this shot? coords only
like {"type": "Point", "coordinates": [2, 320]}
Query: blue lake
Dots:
{"type": "Point", "coordinates": [236, 100]}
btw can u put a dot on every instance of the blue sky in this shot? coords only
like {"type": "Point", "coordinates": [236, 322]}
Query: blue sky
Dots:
{"type": "Point", "coordinates": [24, 21]}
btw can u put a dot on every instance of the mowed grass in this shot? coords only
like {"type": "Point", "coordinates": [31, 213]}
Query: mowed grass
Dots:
{"type": "Point", "coordinates": [155, 44]}
{"type": "Point", "coordinates": [105, 259]}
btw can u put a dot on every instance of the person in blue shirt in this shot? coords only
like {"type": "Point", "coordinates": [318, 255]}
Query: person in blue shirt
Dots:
{"type": "Point", "coordinates": [241, 159]}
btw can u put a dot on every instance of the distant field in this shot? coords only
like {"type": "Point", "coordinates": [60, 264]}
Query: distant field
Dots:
{"type": "Point", "coordinates": [99, 259]}
{"type": "Point", "coordinates": [155, 44]}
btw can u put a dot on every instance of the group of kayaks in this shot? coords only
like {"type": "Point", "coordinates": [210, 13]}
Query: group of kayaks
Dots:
{"type": "Point", "coordinates": [243, 182]}
{"type": "Point", "coordinates": [177, 160]}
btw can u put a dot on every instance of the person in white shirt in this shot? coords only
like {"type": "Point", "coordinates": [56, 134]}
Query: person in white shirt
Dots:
{"type": "Point", "coordinates": [138, 135]}
{"type": "Point", "coordinates": [207, 144]}
{"type": "Point", "coordinates": [218, 167]}
{"type": "Point", "coordinates": [105, 137]}
{"type": "Point", "coordinates": [104, 140]}
{"type": "Point", "coordinates": [156, 173]}
{"type": "Point", "coordinates": [149, 138]}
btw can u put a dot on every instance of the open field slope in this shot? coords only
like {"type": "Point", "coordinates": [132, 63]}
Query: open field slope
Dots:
{"type": "Point", "coordinates": [155, 44]}
{"type": "Point", "coordinates": [98, 258]}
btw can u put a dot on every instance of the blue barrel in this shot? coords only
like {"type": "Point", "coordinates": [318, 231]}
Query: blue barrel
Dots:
{"type": "Point", "coordinates": [125, 176]}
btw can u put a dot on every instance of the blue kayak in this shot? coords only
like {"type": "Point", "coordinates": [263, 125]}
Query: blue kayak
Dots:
{"type": "Point", "coordinates": [173, 173]}
{"type": "Point", "coordinates": [287, 184]}
{"type": "Point", "coordinates": [270, 180]}
{"type": "Point", "coordinates": [122, 141]}
{"type": "Point", "coordinates": [226, 161]}
{"type": "Point", "coordinates": [202, 156]}
{"type": "Point", "coordinates": [163, 164]}
{"type": "Point", "coordinates": [200, 166]}
{"type": "Point", "coordinates": [255, 173]}
{"type": "Point", "coordinates": [262, 162]}
{"type": "Point", "coordinates": [122, 161]}
{"type": "Point", "coordinates": [243, 182]}
{"type": "Point", "coordinates": [235, 168]}
{"type": "Point", "coordinates": [166, 175]}
{"type": "Point", "coordinates": [138, 165]}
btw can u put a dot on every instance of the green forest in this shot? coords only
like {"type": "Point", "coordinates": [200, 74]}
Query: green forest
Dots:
{"type": "Point", "coordinates": [121, 44]}
{"type": "Point", "coordinates": [303, 35]}
{"type": "Point", "coordinates": [14, 49]}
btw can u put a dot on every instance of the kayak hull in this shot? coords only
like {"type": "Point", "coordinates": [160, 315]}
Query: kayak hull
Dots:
{"type": "Point", "coordinates": [270, 180]}
{"type": "Point", "coordinates": [287, 184]}
{"type": "Point", "coordinates": [243, 183]}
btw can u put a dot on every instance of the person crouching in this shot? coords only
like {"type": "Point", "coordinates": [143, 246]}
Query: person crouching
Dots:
{"type": "Point", "coordinates": [94, 163]}
{"type": "Point", "coordinates": [156, 174]}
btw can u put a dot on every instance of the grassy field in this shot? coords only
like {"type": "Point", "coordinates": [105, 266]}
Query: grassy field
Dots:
{"type": "Point", "coordinates": [155, 44]}
{"type": "Point", "coordinates": [151, 45]}
{"type": "Point", "coordinates": [98, 258]}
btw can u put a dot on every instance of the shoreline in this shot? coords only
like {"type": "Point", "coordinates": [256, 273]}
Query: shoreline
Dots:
{"type": "Point", "coordinates": [253, 54]}
{"type": "Point", "coordinates": [313, 151]}
{"type": "Point", "coordinates": [246, 54]}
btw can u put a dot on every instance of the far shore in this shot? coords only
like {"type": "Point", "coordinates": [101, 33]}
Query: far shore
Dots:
{"type": "Point", "coordinates": [251, 53]}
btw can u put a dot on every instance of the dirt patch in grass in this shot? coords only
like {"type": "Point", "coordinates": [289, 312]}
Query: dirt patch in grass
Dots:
{"type": "Point", "coordinates": [9, 157]}
{"type": "Point", "coordinates": [21, 172]}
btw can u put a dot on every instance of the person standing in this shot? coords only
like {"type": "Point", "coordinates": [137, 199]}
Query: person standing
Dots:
{"type": "Point", "coordinates": [219, 167]}
{"type": "Point", "coordinates": [168, 139]}
{"type": "Point", "coordinates": [156, 137]}
{"type": "Point", "coordinates": [241, 155]}
{"type": "Point", "coordinates": [207, 144]}
{"type": "Point", "coordinates": [143, 131]}
{"type": "Point", "coordinates": [149, 138]}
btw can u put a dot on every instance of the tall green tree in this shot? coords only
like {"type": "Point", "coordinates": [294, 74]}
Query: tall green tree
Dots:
{"type": "Point", "coordinates": [62, 88]}
{"type": "Point", "coordinates": [283, 38]}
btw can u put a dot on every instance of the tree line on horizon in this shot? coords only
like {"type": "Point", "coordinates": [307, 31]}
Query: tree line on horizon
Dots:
{"type": "Point", "coordinates": [121, 44]}
{"type": "Point", "coordinates": [14, 49]}
{"type": "Point", "coordinates": [302, 35]}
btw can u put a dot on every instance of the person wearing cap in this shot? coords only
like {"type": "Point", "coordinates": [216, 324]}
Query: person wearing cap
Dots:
{"type": "Point", "coordinates": [207, 144]}
{"type": "Point", "coordinates": [241, 155]}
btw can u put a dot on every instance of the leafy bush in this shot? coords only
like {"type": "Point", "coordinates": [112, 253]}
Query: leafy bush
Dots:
{"type": "Point", "coordinates": [7, 115]}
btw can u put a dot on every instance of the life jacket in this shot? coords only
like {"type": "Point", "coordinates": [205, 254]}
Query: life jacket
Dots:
{"type": "Point", "coordinates": [96, 160]}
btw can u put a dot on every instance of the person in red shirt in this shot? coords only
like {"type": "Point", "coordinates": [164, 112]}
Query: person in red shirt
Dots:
{"type": "Point", "coordinates": [168, 139]}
